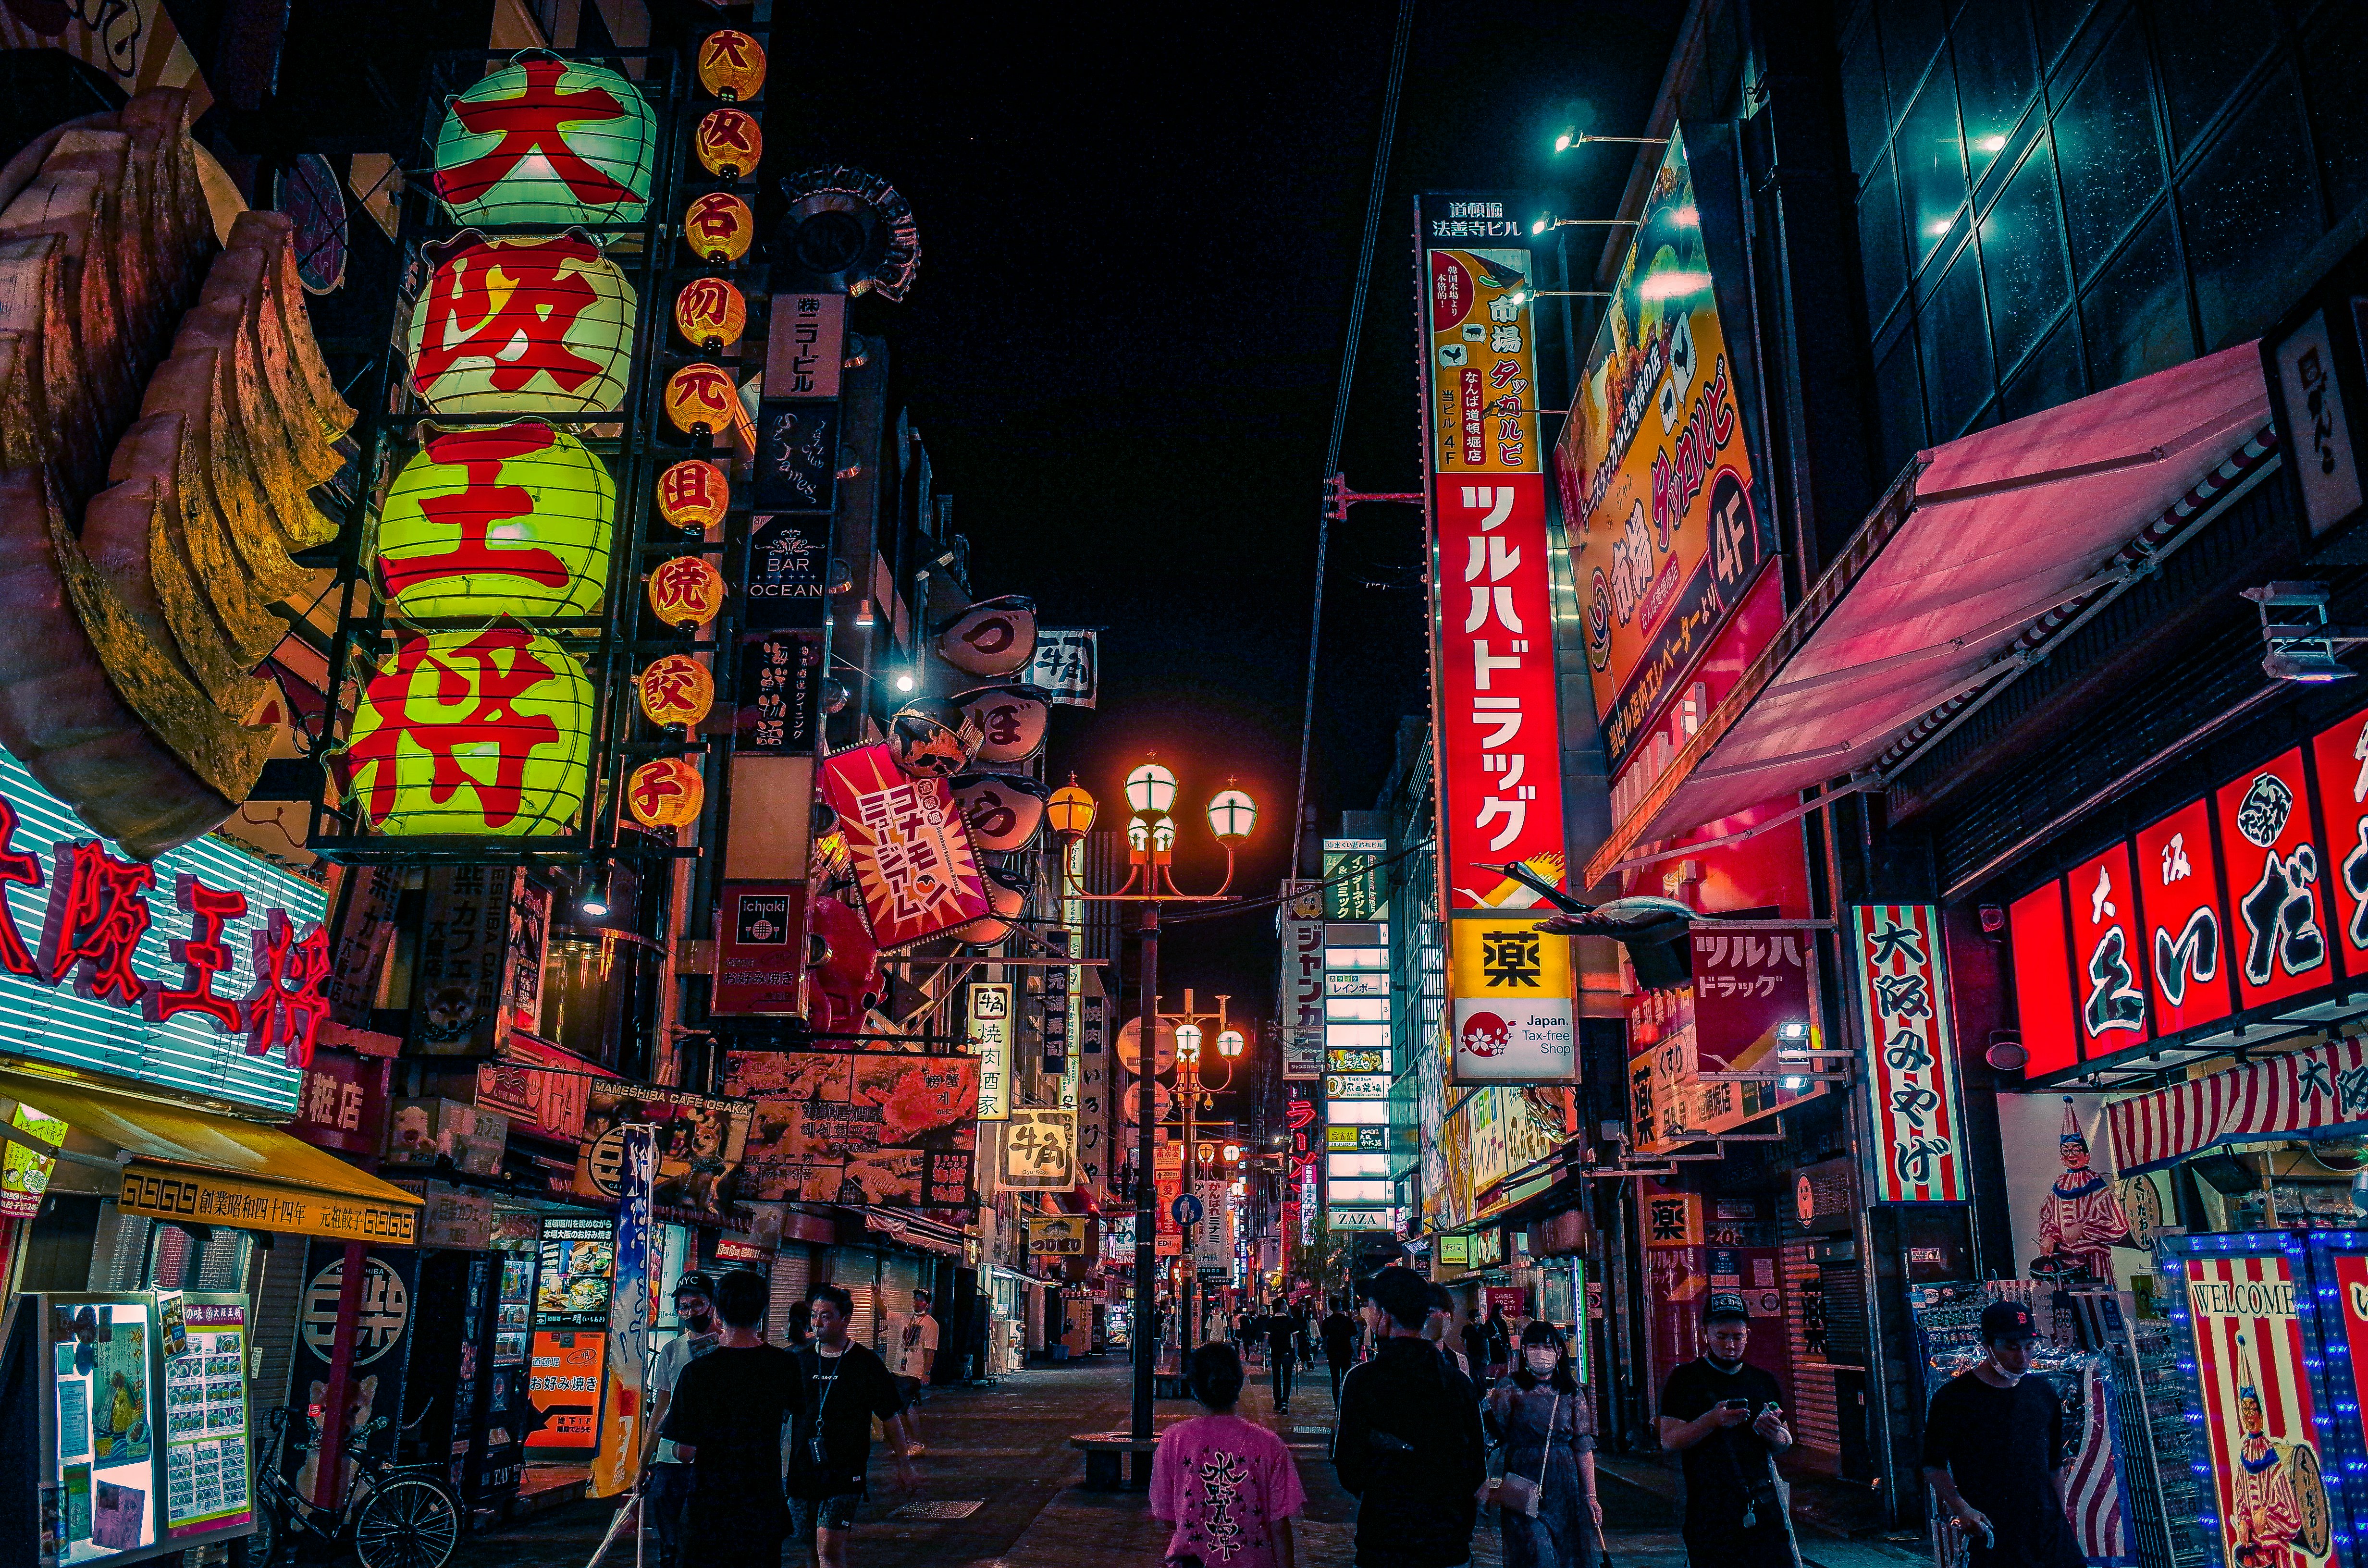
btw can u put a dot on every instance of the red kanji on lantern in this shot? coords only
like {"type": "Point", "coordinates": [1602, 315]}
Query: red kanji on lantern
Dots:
{"type": "Point", "coordinates": [515, 302]}
{"type": "Point", "coordinates": [686, 591]}
{"type": "Point", "coordinates": [99, 910]}
{"type": "Point", "coordinates": [502, 668]}
{"type": "Point", "coordinates": [719, 226]}
{"type": "Point", "coordinates": [472, 512]}
{"type": "Point", "coordinates": [535, 124]}
{"type": "Point", "coordinates": [15, 865]}
{"type": "Point", "coordinates": [729, 138]}
{"type": "Point", "coordinates": [203, 952]}
{"type": "Point", "coordinates": [702, 397]}
{"type": "Point", "coordinates": [692, 492]}
{"type": "Point", "coordinates": [287, 1009]}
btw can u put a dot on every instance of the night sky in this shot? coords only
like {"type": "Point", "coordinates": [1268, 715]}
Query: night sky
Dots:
{"type": "Point", "coordinates": [1139, 246]}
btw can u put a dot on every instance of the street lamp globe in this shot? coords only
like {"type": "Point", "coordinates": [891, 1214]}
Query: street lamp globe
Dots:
{"type": "Point", "coordinates": [1070, 810]}
{"type": "Point", "coordinates": [1229, 1044]}
{"type": "Point", "coordinates": [1151, 787]}
{"type": "Point", "coordinates": [1138, 834]}
{"type": "Point", "coordinates": [1232, 814]}
{"type": "Point", "coordinates": [1163, 834]}
{"type": "Point", "coordinates": [1188, 1041]}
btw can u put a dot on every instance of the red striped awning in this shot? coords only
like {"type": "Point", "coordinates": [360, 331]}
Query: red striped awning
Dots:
{"type": "Point", "coordinates": [2308, 1091]}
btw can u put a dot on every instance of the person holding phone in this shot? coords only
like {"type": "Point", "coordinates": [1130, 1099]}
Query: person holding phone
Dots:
{"type": "Point", "coordinates": [1726, 1421]}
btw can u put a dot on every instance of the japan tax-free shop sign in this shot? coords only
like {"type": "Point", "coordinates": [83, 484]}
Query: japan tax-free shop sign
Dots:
{"type": "Point", "coordinates": [199, 971]}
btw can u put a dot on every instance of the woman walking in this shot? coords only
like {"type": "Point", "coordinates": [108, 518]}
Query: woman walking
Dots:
{"type": "Point", "coordinates": [1228, 1485]}
{"type": "Point", "coordinates": [1546, 1501]}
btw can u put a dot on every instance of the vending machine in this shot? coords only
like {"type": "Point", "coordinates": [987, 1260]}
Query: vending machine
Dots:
{"type": "Point", "coordinates": [129, 1409]}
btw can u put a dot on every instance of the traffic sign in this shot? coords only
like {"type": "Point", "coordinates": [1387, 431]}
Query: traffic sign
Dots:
{"type": "Point", "coordinates": [1187, 1209]}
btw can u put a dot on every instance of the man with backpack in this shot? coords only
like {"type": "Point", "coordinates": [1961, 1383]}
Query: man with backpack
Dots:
{"type": "Point", "coordinates": [1409, 1444]}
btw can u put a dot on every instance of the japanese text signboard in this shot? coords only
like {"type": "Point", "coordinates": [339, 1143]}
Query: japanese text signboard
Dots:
{"type": "Point", "coordinates": [1495, 728]}
{"type": "Point", "coordinates": [1040, 1151]}
{"type": "Point", "coordinates": [201, 971]}
{"type": "Point", "coordinates": [990, 1042]}
{"type": "Point", "coordinates": [1300, 993]}
{"type": "Point", "coordinates": [858, 1127]}
{"type": "Point", "coordinates": [911, 848]}
{"type": "Point", "coordinates": [1919, 1148]}
{"type": "Point", "coordinates": [1746, 986]}
{"type": "Point", "coordinates": [1512, 989]}
{"type": "Point", "coordinates": [1668, 529]}
{"type": "Point", "coordinates": [1067, 666]}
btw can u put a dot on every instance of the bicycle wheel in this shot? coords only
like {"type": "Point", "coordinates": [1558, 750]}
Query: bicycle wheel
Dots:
{"type": "Point", "coordinates": [406, 1524]}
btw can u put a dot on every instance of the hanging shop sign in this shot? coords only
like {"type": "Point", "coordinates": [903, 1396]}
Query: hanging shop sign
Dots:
{"type": "Point", "coordinates": [1511, 996]}
{"type": "Point", "coordinates": [805, 344]}
{"type": "Point", "coordinates": [989, 1035]}
{"type": "Point", "coordinates": [911, 849]}
{"type": "Point", "coordinates": [858, 1127]}
{"type": "Point", "coordinates": [474, 733]}
{"type": "Point", "coordinates": [1351, 891]}
{"type": "Point", "coordinates": [757, 957]}
{"type": "Point", "coordinates": [343, 1103]}
{"type": "Point", "coordinates": [202, 970]}
{"type": "Point", "coordinates": [1040, 1151]}
{"type": "Point", "coordinates": [1067, 666]}
{"type": "Point", "coordinates": [547, 141]}
{"type": "Point", "coordinates": [1670, 526]}
{"type": "Point", "coordinates": [537, 326]}
{"type": "Point", "coordinates": [208, 1198]}
{"type": "Point", "coordinates": [798, 456]}
{"type": "Point", "coordinates": [788, 559]}
{"type": "Point", "coordinates": [1057, 1235]}
{"type": "Point", "coordinates": [540, 1088]}
{"type": "Point", "coordinates": [2248, 896]}
{"type": "Point", "coordinates": [1300, 989]}
{"type": "Point", "coordinates": [377, 1342]}
{"type": "Point", "coordinates": [1902, 984]}
{"type": "Point", "coordinates": [1496, 725]}
{"type": "Point", "coordinates": [461, 1001]}
{"type": "Point", "coordinates": [780, 690]}
{"type": "Point", "coordinates": [700, 1141]}
{"type": "Point", "coordinates": [27, 1156]}
{"type": "Point", "coordinates": [617, 1466]}
{"type": "Point", "coordinates": [1746, 985]}
{"type": "Point", "coordinates": [730, 65]}
{"type": "Point", "coordinates": [710, 313]}
{"type": "Point", "coordinates": [512, 520]}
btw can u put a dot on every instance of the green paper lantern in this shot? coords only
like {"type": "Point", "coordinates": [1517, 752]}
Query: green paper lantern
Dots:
{"type": "Point", "coordinates": [514, 520]}
{"type": "Point", "coordinates": [538, 326]}
{"type": "Point", "coordinates": [483, 734]}
{"type": "Point", "coordinates": [547, 141]}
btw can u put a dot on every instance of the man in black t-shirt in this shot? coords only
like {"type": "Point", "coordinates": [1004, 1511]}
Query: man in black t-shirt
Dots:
{"type": "Point", "coordinates": [1339, 1345]}
{"type": "Point", "coordinates": [830, 1453]}
{"type": "Point", "coordinates": [1280, 1330]}
{"type": "Point", "coordinates": [1725, 1420]}
{"type": "Point", "coordinates": [724, 1419]}
{"type": "Point", "coordinates": [1994, 1452]}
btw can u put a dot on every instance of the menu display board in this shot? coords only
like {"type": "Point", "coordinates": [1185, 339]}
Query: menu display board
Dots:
{"type": "Point", "coordinates": [577, 1255]}
{"type": "Point", "coordinates": [207, 1473]}
{"type": "Point", "coordinates": [101, 1351]}
{"type": "Point", "coordinates": [564, 1389]}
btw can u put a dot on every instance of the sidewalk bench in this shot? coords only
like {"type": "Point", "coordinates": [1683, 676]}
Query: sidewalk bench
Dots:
{"type": "Point", "coordinates": [1104, 1453]}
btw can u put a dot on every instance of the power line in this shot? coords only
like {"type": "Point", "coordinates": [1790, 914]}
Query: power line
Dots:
{"type": "Point", "coordinates": [1340, 403]}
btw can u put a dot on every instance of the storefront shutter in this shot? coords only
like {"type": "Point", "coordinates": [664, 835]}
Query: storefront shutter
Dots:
{"type": "Point", "coordinates": [900, 1275]}
{"type": "Point", "coordinates": [792, 1274]}
{"type": "Point", "coordinates": [278, 1293]}
{"type": "Point", "coordinates": [855, 1270]}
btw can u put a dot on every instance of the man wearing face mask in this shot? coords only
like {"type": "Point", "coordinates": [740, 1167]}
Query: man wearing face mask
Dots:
{"type": "Point", "coordinates": [1994, 1452]}
{"type": "Point", "coordinates": [1726, 1421]}
{"type": "Point", "coordinates": [667, 1491]}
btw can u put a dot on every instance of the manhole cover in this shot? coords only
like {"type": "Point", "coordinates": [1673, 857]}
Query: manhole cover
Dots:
{"type": "Point", "coordinates": [939, 1511]}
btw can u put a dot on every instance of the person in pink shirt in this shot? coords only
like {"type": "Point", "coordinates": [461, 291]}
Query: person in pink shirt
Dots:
{"type": "Point", "coordinates": [1228, 1485]}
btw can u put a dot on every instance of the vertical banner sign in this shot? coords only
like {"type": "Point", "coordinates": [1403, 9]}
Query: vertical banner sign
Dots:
{"type": "Point", "coordinates": [1904, 999]}
{"type": "Point", "coordinates": [990, 1042]}
{"type": "Point", "coordinates": [1511, 994]}
{"type": "Point", "coordinates": [2260, 1436]}
{"type": "Point", "coordinates": [1351, 891]}
{"type": "Point", "coordinates": [1495, 729]}
{"type": "Point", "coordinates": [1300, 993]}
{"type": "Point", "coordinates": [1168, 1232]}
{"type": "Point", "coordinates": [617, 1467]}
{"type": "Point", "coordinates": [1067, 666]}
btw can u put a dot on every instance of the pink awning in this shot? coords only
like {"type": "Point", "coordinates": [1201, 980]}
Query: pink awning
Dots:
{"type": "Point", "coordinates": [1984, 536]}
{"type": "Point", "coordinates": [2307, 1091]}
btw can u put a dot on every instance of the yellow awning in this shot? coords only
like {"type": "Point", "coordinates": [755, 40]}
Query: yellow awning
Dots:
{"type": "Point", "coordinates": [192, 1164]}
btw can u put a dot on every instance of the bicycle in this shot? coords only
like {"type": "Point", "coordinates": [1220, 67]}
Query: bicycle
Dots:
{"type": "Point", "coordinates": [393, 1515]}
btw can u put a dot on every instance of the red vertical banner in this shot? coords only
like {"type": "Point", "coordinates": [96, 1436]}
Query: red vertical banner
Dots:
{"type": "Point", "coordinates": [1497, 727]}
{"type": "Point", "coordinates": [1919, 1151]}
{"type": "Point", "coordinates": [2341, 754]}
{"type": "Point", "coordinates": [2108, 967]}
{"type": "Point", "coordinates": [2042, 979]}
{"type": "Point", "coordinates": [2276, 881]}
{"type": "Point", "coordinates": [2186, 940]}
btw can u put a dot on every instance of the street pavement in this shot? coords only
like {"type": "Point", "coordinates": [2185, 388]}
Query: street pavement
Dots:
{"type": "Point", "coordinates": [1001, 1488]}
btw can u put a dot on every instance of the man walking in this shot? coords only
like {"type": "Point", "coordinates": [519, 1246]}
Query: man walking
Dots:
{"type": "Point", "coordinates": [1438, 1326]}
{"type": "Point", "coordinates": [1339, 1343]}
{"type": "Point", "coordinates": [1280, 1330]}
{"type": "Point", "coordinates": [1408, 1443]}
{"type": "Point", "coordinates": [1727, 1421]}
{"type": "Point", "coordinates": [725, 1418]}
{"type": "Point", "coordinates": [830, 1454]}
{"type": "Point", "coordinates": [1475, 1335]}
{"type": "Point", "coordinates": [666, 1493]}
{"type": "Point", "coordinates": [913, 1356]}
{"type": "Point", "coordinates": [1993, 1444]}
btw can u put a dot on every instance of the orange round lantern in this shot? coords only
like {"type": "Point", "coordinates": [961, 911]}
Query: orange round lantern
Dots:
{"type": "Point", "coordinates": [686, 590]}
{"type": "Point", "coordinates": [676, 689]}
{"type": "Point", "coordinates": [719, 227]}
{"type": "Point", "coordinates": [702, 397]}
{"type": "Point", "coordinates": [730, 65]}
{"type": "Point", "coordinates": [729, 143]}
{"type": "Point", "coordinates": [710, 313]}
{"type": "Point", "coordinates": [666, 792]}
{"type": "Point", "coordinates": [694, 495]}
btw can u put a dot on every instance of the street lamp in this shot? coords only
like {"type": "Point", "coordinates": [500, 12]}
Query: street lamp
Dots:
{"type": "Point", "coordinates": [1070, 810]}
{"type": "Point", "coordinates": [1151, 790]}
{"type": "Point", "coordinates": [1229, 1044]}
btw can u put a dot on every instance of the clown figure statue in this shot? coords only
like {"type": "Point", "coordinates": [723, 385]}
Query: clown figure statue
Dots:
{"type": "Point", "coordinates": [2264, 1516]}
{"type": "Point", "coordinates": [2082, 1220]}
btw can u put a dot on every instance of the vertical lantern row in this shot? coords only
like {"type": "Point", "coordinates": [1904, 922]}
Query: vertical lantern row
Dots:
{"type": "Point", "coordinates": [699, 407]}
{"type": "Point", "coordinates": [478, 664]}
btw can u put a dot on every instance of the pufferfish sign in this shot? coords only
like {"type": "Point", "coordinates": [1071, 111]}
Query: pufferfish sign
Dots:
{"type": "Point", "coordinates": [1512, 1018]}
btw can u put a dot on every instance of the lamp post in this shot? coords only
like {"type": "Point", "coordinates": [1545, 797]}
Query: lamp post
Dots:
{"type": "Point", "coordinates": [1151, 839]}
{"type": "Point", "coordinates": [1191, 1092]}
